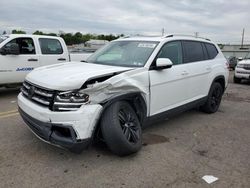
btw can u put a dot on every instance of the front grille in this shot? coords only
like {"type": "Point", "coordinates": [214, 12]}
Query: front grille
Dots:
{"type": "Point", "coordinates": [37, 94]}
{"type": "Point", "coordinates": [241, 72]}
{"type": "Point", "coordinates": [247, 66]}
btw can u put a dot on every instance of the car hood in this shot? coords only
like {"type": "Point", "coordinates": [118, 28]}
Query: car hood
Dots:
{"type": "Point", "coordinates": [72, 75]}
{"type": "Point", "coordinates": [246, 61]}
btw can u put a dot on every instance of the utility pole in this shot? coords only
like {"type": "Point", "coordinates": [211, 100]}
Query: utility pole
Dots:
{"type": "Point", "coordinates": [163, 31]}
{"type": "Point", "coordinates": [196, 34]}
{"type": "Point", "coordinates": [242, 39]}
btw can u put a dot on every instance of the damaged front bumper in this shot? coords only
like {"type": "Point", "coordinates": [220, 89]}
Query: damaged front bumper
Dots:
{"type": "Point", "coordinates": [56, 134]}
{"type": "Point", "coordinates": [71, 130]}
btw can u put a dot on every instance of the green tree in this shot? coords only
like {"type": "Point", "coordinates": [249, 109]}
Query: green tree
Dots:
{"type": "Point", "coordinates": [18, 32]}
{"type": "Point", "coordinates": [77, 38]}
{"type": "Point", "coordinates": [51, 34]}
{"type": "Point", "coordinates": [221, 46]}
{"type": "Point", "coordinates": [38, 33]}
{"type": "Point", "coordinates": [87, 37]}
{"type": "Point", "coordinates": [42, 33]}
{"type": "Point", "coordinates": [67, 38]}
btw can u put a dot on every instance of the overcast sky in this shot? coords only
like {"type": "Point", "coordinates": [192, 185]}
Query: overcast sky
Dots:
{"type": "Point", "coordinates": [220, 20]}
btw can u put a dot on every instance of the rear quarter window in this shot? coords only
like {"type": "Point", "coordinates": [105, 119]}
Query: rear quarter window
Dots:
{"type": "Point", "coordinates": [193, 51]}
{"type": "Point", "coordinates": [50, 46]}
{"type": "Point", "coordinates": [211, 50]}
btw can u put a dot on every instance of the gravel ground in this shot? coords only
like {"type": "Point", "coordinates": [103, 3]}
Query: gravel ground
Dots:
{"type": "Point", "coordinates": [176, 152]}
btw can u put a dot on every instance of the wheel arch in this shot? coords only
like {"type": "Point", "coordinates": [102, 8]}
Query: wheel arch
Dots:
{"type": "Point", "coordinates": [135, 99]}
{"type": "Point", "coordinates": [221, 80]}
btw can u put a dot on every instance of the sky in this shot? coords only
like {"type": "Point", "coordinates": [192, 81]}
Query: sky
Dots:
{"type": "Point", "coordinates": [220, 20]}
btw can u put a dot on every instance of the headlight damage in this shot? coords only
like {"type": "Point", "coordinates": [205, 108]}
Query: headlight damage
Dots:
{"type": "Point", "coordinates": [70, 101]}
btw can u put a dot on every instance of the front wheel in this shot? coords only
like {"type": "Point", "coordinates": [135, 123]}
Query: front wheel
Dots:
{"type": "Point", "coordinates": [121, 129]}
{"type": "Point", "coordinates": [214, 98]}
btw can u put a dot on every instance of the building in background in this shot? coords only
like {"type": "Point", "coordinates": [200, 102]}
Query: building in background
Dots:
{"type": "Point", "coordinates": [238, 51]}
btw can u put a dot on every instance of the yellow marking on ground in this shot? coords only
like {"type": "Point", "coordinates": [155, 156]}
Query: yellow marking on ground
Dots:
{"type": "Point", "coordinates": [8, 112]}
{"type": "Point", "coordinates": [8, 115]}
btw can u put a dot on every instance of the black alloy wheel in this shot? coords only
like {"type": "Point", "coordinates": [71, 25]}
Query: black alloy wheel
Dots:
{"type": "Point", "coordinates": [130, 127]}
{"type": "Point", "coordinates": [121, 129]}
{"type": "Point", "coordinates": [213, 99]}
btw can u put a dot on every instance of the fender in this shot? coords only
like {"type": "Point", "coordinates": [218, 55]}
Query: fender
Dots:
{"type": "Point", "coordinates": [221, 80]}
{"type": "Point", "coordinates": [135, 99]}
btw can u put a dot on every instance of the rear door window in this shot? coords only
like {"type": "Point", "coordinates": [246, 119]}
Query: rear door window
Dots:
{"type": "Point", "coordinates": [50, 46]}
{"type": "Point", "coordinates": [193, 51]}
{"type": "Point", "coordinates": [212, 51]}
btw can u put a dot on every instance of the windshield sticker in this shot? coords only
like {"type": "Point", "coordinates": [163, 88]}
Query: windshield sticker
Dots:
{"type": "Point", "coordinates": [24, 69]}
{"type": "Point", "coordinates": [146, 45]}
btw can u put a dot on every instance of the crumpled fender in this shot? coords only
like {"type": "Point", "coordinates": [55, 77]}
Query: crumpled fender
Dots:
{"type": "Point", "coordinates": [136, 80]}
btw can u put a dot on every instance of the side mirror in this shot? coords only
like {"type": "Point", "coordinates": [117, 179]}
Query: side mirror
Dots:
{"type": "Point", "coordinates": [14, 49]}
{"type": "Point", "coordinates": [163, 63]}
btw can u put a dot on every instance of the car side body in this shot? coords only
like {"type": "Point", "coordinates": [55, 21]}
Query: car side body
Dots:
{"type": "Point", "coordinates": [178, 74]}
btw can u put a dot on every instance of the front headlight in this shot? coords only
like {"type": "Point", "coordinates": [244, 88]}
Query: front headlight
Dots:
{"type": "Point", "coordinates": [240, 66]}
{"type": "Point", "coordinates": [69, 101]}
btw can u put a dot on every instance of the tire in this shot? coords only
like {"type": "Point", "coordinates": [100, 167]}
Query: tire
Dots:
{"type": "Point", "coordinates": [121, 129]}
{"type": "Point", "coordinates": [214, 98]}
{"type": "Point", "coordinates": [237, 80]}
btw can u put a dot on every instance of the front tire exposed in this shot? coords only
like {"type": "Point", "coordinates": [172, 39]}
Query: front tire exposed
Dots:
{"type": "Point", "coordinates": [214, 98]}
{"type": "Point", "coordinates": [121, 129]}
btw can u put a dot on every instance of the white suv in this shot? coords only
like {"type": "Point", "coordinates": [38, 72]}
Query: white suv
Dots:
{"type": "Point", "coordinates": [122, 87]}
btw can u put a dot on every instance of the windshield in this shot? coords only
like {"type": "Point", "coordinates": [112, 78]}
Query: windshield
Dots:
{"type": "Point", "coordinates": [2, 38]}
{"type": "Point", "coordinates": [124, 53]}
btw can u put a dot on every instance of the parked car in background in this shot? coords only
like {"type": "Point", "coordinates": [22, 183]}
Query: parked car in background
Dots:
{"type": "Point", "coordinates": [232, 61]}
{"type": "Point", "coordinates": [242, 71]}
{"type": "Point", "coordinates": [240, 58]}
{"type": "Point", "coordinates": [21, 53]}
{"type": "Point", "coordinates": [121, 88]}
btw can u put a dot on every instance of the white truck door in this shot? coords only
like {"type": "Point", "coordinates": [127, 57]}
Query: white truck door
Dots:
{"type": "Point", "coordinates": [14, 68]}
{"type": "Point", "coordinates": [169, 87]}
{"type": "Point", "coordinates": [53, 51]}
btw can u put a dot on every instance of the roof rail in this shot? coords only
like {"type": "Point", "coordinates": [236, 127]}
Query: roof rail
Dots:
{"type": "Point", "coordinates": [137, 35]}
{"type": "Point", "coordinates": [181, 35]}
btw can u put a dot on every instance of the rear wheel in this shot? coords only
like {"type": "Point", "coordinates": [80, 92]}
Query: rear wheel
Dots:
{"type": "Point", "coordinates": [121, 129]}
{"type": "Point", "coordinates": [214, 98]}
{"type": "Point", "coordinates": [237, 80]}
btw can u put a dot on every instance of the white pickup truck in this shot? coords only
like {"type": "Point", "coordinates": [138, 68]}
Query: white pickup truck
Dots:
{"type": "Point", "coordinates": [20, 54]}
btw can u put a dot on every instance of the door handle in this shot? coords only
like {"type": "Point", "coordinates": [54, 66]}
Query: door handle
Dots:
{"type": "Point", "coordinates": [32, 59]}
{"type": "Point", "coordinates": [184, 73]}
{"type": "Point", "coordinates": [61, 59]}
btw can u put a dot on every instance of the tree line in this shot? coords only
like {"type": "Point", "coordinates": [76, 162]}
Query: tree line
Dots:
{"type": "Point", "coordinates": [73, 38]}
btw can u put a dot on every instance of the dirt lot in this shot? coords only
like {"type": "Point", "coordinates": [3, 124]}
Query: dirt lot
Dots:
{"type": "Point", "coordinates": [176, 153]}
